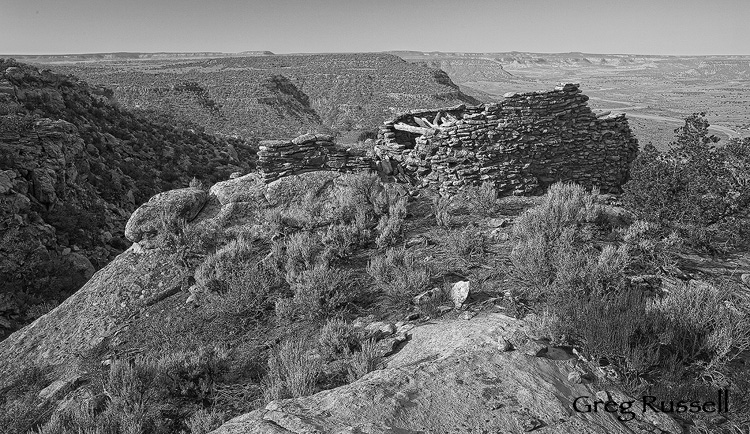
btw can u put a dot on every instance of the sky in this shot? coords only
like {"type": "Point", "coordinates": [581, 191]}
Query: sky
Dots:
{"type": "Point", "coordinates": [687, 27]}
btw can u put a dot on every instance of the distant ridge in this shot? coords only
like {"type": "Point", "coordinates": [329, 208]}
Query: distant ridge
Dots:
{"type": "Point", "coordinates": [82, 57]}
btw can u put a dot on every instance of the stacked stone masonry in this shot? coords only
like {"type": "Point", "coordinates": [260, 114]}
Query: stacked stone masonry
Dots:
{"type": "Point", "coordinates": [306, 153]}
{"type": "Point", "coordinates": [521, 145]}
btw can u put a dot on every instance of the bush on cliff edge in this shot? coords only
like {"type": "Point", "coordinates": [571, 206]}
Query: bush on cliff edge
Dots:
{"type": "Point", "coordinates": [696, 187]}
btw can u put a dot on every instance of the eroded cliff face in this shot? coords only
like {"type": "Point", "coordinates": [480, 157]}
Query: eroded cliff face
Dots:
{"type": "Point", "coordinates": [56, 230]}
{"type": "Point", "coordinates": [73, 166]}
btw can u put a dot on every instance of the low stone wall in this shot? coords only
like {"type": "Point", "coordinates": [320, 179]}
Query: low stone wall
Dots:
{"type": "Point", "coordinates": [310, 152]}
{"type": "Point", "coordinates": [521, 145]}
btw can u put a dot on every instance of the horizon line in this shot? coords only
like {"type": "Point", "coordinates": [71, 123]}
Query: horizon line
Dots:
{"type": "Point", "coordinates": [358, 52]}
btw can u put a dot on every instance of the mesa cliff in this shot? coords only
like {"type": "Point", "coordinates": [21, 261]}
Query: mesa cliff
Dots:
{"type": "Point", "coordinates": [279, 96]}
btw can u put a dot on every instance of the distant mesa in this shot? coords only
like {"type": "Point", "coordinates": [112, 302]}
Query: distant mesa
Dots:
{"type": "Point", "coordinates": [84, 57]}
{"type": "Point", "coordinates": [256, 53]}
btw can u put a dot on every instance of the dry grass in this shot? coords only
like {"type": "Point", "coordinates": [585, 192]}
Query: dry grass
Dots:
{"type": "Point", "coordinates": [320, 290]}
{"type": "Point", "coordinates": [398, 273]}
{"type": "Point", "coordinates": [390, 226]}
{"type": "Point", "coordinates": [292, 371]}
{"type": "Point", "coordinates": [363, 361]}
{"type": "Point", "coordinates": [204, 421]}
{"type": "Point", "coordinates": [338, 339]}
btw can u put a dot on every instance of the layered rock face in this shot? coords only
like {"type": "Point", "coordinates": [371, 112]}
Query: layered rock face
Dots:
{"type": "Point", "coordinates": [522, 144]}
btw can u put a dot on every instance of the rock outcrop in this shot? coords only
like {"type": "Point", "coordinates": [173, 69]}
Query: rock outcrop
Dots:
{"type": "Point", "coordinates": [148, 273]}
{"type": "Point", "coordinates": [455, 376]}
{"type": "Point", "coordinates": [164, 208]}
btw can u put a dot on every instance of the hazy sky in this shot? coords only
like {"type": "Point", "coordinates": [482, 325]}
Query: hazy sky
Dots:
{"type": "Point", "coordinates": [289, 26]}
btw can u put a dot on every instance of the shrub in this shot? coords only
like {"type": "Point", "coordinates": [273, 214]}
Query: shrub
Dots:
{"type": "Point", "coordinates": [204, 421]}
{"type": "Point", "coordinates": [20, 404]}
{"type": "Point", "coordinates": [390, 226]}
{"type": "Point", "coordinates": [551, 241]}
{"type": "Point", "coordinates": [303, 250]}
{"type": "Point", "coordinates": [613, 328]}
{"type": "Point", "coordinates": [398, 274]}
{"type": "Point", "coordinates": [321, 289]}
{"type": "Point", "coordinates": [439, 297]}
{"type": "Point", "coordinates": [363, 361]}
{"type": "Point", "coordinates": [564, 206]}
{"type": "Point", "coordinates": [466, 242]}
{"type": "Point", "coordinates": [285, 310]}
{"type": "Point", "coordinates": [248, 295]}
{"type": "Point", "coordinates": [197, 184]}
{"type": "Point", "coordinates": [239, 281]}
{"type": "Point", "coordinates": [695, 187]}
{"type": "Point", "coordinates": [193, 374]}
{"type": "Point", "coordinates": [292, 371]}
{"type": "Point", "coordinates": [190, 241]}
{"type": "Point", "coordinates": [135, 397]}
{"type": "Point", "coordinates": [683, 342]}
{"type": "Point", "coordinates": [649, 248]}
{"type": "Point", "coordinates": [482, 199]}
{"type": "Point", "coordinates": [309, 213]}
{"type": "Point", "coordinates": [338, 339]}
{"type": "Point", "coordinates": [364, 187]}
{"type": "Point", "coordinates": [229, 263]}
{"type": "Point", "coordinates": [340, 240]}
{"type": "Point", "coordinates": [148, 395]}
{"type": "Point", "coordinates": [705, 324]}
{"type": "Point", "coordinates": [441, 208]}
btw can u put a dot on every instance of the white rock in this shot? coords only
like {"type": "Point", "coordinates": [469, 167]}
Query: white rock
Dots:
{"type": "Point", "coordinates": [460, 292]}
{"type": "Point", "coordinates": [388, 329]}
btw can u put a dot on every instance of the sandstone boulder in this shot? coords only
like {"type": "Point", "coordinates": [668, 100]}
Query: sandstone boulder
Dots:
{"type": "Point", "coordinates": [248, 188]}
{"type": "Point", "coordinates": [294, 188]}
{"type": "Point", "coordinates": [167, 207]}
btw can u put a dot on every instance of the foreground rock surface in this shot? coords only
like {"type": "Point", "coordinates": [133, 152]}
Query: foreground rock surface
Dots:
{"type": "Point", "coordinates": [450, 377]}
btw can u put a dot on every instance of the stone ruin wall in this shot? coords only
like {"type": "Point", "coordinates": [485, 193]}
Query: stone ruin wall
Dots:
{"type": "Point", "coordinates": [525, 142]}
{"type": "Point", "coordinates": [521, 145]}
{"type": "Point", "coordinates": [307, 153]}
